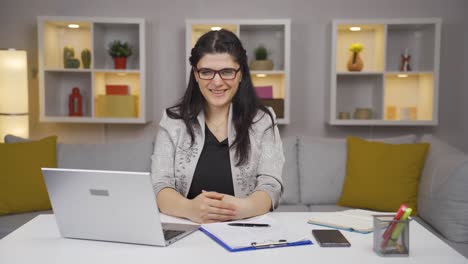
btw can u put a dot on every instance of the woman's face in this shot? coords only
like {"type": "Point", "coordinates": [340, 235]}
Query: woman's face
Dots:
{"type": "Point", "coordinates": [220, 90]}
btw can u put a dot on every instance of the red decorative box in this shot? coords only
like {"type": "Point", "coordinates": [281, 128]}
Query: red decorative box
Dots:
{"type": "Point", "coordinates": [114, 89]}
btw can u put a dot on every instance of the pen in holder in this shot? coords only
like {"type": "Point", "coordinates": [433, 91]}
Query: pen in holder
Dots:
{"type": "Point", "coordinates": [393, 243]}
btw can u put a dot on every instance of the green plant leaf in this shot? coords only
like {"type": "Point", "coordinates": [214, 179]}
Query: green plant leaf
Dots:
{"type": "Point", "coordinates": [261, 53]}
{"type": "Point", "coordinates": [119, 49]}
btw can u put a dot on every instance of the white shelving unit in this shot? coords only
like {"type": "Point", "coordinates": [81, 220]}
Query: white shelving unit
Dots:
{"type": "Point", "coordinates": [408, 98]}
{"type": "Point", "coordinates": [275, 35]}
{"type": "Point", "coordinates": [56, 82]}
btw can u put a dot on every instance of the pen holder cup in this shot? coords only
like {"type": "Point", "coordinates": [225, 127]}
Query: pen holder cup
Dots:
{"type": "Point", "coordinates": [391, 238]}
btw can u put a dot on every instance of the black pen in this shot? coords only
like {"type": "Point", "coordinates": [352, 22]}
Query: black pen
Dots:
{"type": "Point", "coordinates": [249, 225]}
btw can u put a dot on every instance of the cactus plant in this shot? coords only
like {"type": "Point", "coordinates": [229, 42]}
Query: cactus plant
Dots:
{"type": "Point", "coordinates": [68, 53]}
{"type": "Point", "coordinates": [72, 63]}
{"type": "Point", "coordinates": [86, 58]}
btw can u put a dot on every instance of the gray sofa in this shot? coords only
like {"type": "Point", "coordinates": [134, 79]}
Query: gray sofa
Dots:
{"type": "Point", "coordinates": [315, 169]}
{"type": "Point", "coordinates": [313, 176]}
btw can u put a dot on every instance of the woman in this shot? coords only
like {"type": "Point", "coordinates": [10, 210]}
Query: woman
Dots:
{"type": "Point", "coordinates": [218, 154]}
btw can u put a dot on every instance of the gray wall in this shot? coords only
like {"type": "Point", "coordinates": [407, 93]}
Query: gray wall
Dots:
{"type": "Point", "coordinates": [310, 49]}
{"type": "Point", "coordinates": [461, 137]}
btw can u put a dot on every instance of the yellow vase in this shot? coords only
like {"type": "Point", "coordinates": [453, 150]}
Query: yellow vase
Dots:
{"type": "Point", "coordinates": [355, 62]}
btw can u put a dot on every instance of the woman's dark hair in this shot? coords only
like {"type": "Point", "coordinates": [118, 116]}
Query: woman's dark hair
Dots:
{"type": "Point", "coordinates": [245, 103]}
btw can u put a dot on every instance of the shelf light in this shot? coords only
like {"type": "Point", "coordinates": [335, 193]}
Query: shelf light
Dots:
{"type": "Point", "coordinates": [216, 28]}
{"type": "Point", "coordinates": [355, 28]}
{"type": "Point", "coordinates": [73, 26]}
{"type": "Point", "coordinates": [402, 75]}
{"type": "Point", "coordinates": [122, 74]}
{"type": "Point", "coordinates": [261, 75]}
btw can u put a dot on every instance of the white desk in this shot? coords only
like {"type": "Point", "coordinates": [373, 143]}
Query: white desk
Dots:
{"type": "Point", "coordinates": [39, 242]}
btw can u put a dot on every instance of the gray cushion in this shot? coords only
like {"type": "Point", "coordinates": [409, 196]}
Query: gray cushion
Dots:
{"type": "Point", "coordinates": [322, 167]}
{"type": "Point", "coordinates": [443, 196]}
{"type": "Point", "coordinates": [290, 175]}
{"type": "Point", "coordinates": [9, 223]}
{"type": "Point", "coordinates": [129, 156]}
{"type": "Point", "coordinates": [15, 139]}
{"type": "Point", "coordinates": [292, 208]}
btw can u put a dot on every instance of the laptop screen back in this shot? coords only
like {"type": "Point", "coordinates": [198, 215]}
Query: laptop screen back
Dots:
{"type": "Point", "coordinates": [105, 205]}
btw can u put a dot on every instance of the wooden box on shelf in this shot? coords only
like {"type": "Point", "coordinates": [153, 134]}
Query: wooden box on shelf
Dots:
{"type": "Point", "coordinates": [74, 52]}
{"type": "Point", "coordinates": [117, 106]}
{"type": "Point", "coordinates": [275, 35]}
{"type": "Point", "coordinates": [400, 75]}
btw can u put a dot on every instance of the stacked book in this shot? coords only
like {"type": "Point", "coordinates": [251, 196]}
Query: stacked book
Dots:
{"type": "Point", "coordinates": [265, 93]}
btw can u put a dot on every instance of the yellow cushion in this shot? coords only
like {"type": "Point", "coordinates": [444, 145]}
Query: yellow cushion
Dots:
{"type": "Point", "coordinates": [381, 176]}
{"type": "Point", "coordinates": [22, 187]}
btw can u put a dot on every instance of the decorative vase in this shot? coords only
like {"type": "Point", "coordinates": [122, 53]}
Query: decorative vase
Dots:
{"type": "Point", "coordinates": [120, 63]}
{"type": "Point", "coordinates": [405, 63]}
{"type": "Point", "coordinates": [75, 103]}
{"type": "Point", "coordinates": [391, 113]}
{"type": "Point", "coordinates": [355, 62]}
{"type": "Point", "coordinates": [362, 113]}
{"type": "Point", "coordinates": [344, 115]}
{"type": "Point", "coordinates": [261, 65]}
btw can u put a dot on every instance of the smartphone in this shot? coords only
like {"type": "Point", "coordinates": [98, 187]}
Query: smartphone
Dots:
{"type": "Point", "coordinates": [330, 238]}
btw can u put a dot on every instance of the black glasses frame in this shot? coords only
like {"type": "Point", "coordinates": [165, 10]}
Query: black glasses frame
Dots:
{"type": "Point", "coordinates": [216, 72]}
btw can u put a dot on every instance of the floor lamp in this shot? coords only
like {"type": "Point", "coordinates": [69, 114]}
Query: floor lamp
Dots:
{"type": "Point", "coordinates": [14, 116]}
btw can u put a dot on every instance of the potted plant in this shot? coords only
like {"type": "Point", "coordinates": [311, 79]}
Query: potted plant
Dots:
{"type": "Point", "coordinates": [355, 62]}
{"type": "Point", "coordinates": [261, 62]}
{"type": "Point", "coordinates": [119, 51]}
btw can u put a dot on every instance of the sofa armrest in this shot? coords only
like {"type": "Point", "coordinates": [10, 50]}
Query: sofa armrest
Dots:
{"type": "Point", "coordinates": [442, 196]}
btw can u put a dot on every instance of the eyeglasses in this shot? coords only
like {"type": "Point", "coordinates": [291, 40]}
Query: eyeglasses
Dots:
{"type": "Point", "coordinates": [209, 74]}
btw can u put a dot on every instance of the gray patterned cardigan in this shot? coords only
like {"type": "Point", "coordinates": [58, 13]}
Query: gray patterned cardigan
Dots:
{"type": "Point", "coordinates": [174, 160]}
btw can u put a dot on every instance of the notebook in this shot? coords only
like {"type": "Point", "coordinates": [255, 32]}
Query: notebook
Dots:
{"type": "Point", "coordinates": [356, 220]}
{"type": "Point", "coordinates": [242, 238]}
{"type": "Point", "coordinates": [115, 206]}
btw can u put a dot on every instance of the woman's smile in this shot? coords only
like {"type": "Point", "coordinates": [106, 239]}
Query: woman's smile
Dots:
{"type": "Point", "coordinates": [218, 92]}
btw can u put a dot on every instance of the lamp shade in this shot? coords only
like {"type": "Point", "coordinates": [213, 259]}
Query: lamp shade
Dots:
{"type": "Point", "coordinates": [13, 93]}
{"type": "Point", "coordinates": [17, 125]}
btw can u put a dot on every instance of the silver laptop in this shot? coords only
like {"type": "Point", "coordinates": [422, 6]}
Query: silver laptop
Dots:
{"type": "Point", "coordinates": [113, 206]}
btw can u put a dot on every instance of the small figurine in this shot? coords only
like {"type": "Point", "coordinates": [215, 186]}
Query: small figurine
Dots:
{"type": "Point", "coordinates": [405, 61]}
{"type": "Point", "coordinates": [75, 103]}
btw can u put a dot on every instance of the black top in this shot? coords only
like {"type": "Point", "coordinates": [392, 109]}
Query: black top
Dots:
{"type": "Point", "coordinates": [213, 171]}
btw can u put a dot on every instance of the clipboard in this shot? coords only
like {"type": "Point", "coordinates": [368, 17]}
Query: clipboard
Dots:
{"type": "Point", "coordinates": [261, 232]}
{"type": "Point", "coordinates": [256, 245]}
